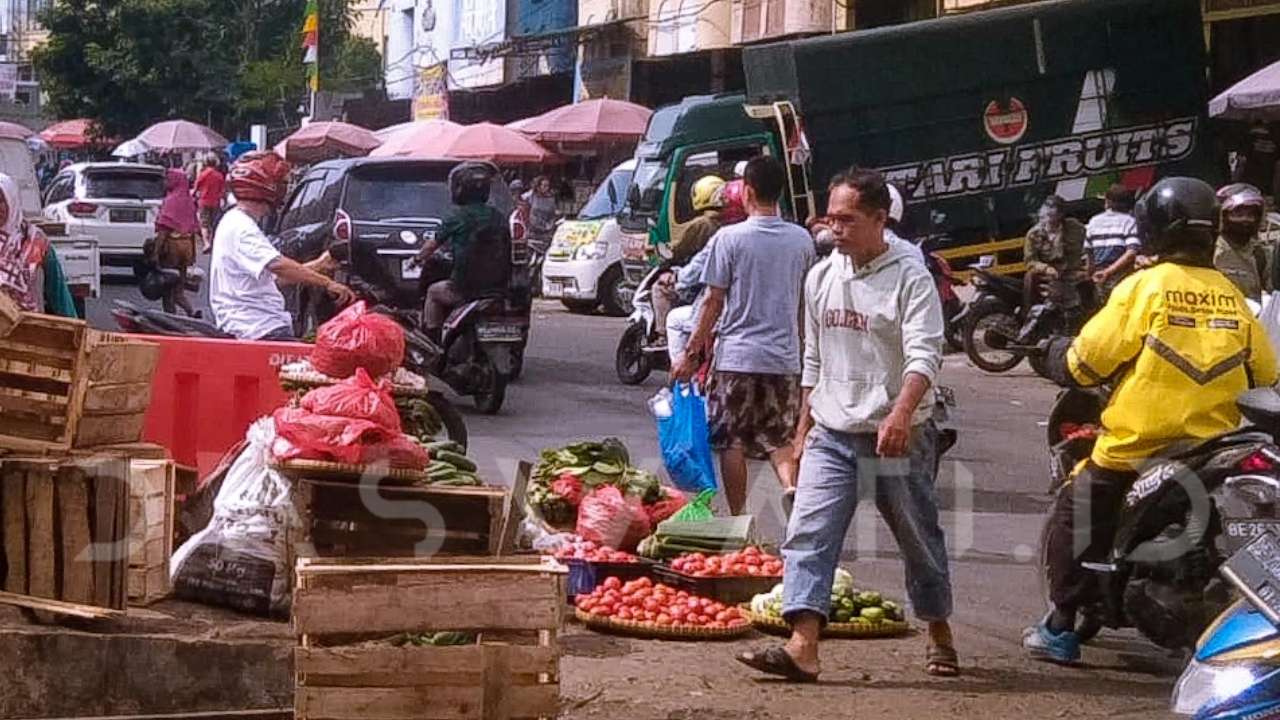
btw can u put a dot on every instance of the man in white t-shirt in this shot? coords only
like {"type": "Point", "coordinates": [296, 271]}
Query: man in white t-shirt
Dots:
{"type": "Point", "coordinates": [245, 266]}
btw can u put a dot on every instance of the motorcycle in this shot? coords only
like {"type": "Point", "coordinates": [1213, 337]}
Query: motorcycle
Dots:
{"type": "Point", "coordinates": [640, 350]}
{"type": "Point", "coordinates": [952, 306]}
{"type": "Point", "coordinates": [1161, 577]}
{"type": "Point", "coordinates": [993, 336]}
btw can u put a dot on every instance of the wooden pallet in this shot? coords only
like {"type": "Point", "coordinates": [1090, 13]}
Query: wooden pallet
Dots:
{"type": "Point", "coordinates": [151, 507]}
{"type": "Point", "coordinates": [345, 613]}
{"type": "Point", "coordinates": [65, 534]}
{"type": "Point", "coordinates": [385, 519]}
{"type": "Point", "coordinates": [63, 385]}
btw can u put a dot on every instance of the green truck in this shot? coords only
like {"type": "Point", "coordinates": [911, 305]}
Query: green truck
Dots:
{"type": "Point", "coordinates": [976, 118]}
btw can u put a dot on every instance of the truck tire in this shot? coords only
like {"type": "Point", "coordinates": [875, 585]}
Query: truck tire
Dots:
{"type": "Point", "coordinates": [614, 292]}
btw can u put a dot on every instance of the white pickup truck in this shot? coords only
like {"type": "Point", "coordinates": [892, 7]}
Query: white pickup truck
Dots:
{"type": "Point", "coordinates": [77, 254]}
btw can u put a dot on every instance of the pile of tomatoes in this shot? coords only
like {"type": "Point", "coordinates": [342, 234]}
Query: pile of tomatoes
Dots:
{"type": "Point", "coordinates": [751, 562]}
{"type": "Point", "coordinates": [643, 601]}
{"type": "Point", "coordinates": [593, 552]}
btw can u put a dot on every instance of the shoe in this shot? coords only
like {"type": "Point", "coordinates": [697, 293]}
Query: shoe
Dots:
{"type": "Point", "coordinates": [1043, 644]}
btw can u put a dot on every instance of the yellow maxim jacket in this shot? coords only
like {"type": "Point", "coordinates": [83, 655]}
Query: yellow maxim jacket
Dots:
{"type": "Point", "coordinates": [1180, 345]}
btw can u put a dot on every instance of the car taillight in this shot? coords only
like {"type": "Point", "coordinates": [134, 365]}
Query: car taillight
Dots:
{"type": "Point", "coordinates": [82, 209]}
{"type": "Point", "coordinates": [1257, 461]}
{"type": "Point", "coordinates": [342, 226]}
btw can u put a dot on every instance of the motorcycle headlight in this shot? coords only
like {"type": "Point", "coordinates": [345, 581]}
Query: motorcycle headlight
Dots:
{"type": "Point", "coordinates": [590, 251]}
{"type": "Point", "coordinates": [1203, 685]}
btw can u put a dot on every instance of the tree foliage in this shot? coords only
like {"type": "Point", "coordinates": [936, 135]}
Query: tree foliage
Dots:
{"type": "Point", "coordinates": [226, 63]}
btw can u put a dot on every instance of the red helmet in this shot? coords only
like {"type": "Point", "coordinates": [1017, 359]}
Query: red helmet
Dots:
{"type": "Point", "coordinates": [260, 175]}
{"type": "Point", "coordinates": [735, 209]}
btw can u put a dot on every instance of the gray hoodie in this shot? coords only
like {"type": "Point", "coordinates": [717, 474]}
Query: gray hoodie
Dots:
{"type": "Point", "coordinates": [865, 329]}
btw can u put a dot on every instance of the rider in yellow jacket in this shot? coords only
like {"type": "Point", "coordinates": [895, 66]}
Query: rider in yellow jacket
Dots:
{"type": "Point", "coordinates": [1178, 344]}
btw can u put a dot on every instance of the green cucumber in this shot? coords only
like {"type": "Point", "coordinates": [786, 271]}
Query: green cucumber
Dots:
{"type": "Point", "coordinates": [462, 462]}
{"type": "Point", "coordinates": [445, 446]}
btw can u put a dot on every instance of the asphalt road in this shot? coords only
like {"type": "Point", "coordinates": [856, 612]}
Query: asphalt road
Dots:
{"type": "Point", "coordinates": [992, 487]}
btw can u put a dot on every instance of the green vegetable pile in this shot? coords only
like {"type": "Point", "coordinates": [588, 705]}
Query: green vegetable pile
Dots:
{"type": "Point", "coordinates": [437, 639]}
{"type": "Point", "coordinates": [450, 467]}
{"type": "Point", "coordinates": [848, 604]}
{"type": "Point", "coordinates": [716, 535]}
{"type": "Point", "coordinates": [593, 464]}
{"type": "Point", "coordinates": [420, 420]}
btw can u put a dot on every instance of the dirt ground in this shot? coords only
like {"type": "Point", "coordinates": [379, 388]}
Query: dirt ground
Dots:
{"type": "Point", "coordinates": [614, 677]}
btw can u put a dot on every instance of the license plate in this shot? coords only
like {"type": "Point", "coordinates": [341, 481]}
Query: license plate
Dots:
{"type": "Point", "coordinates": [410, 269]}
{"type": "Point", "coordinates": [1255, 571]}
{"type": "Point", "coordinates": [127, 216]}
{"type": "Point", "coordinates": [554, 289]}
{"type": "Point", "coordinates": [1243, 531]}
{"type": "Point", "coordinates": [492, 332]}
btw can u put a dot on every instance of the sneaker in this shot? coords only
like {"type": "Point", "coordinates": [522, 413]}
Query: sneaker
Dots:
{"type": "Point", "coordinates": [1062, 648]}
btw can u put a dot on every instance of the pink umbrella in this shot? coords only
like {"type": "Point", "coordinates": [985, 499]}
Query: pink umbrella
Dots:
{"type": "Point", "coordinates": [486, 141]}
{"type": "Point", "coordinates": [14, 131]}
{"type": "Point", "coordinates": [410, 139]}
{"type": "Point", "coordinates": [591, 121]}
{"type": "Point", "coordinates": [71, 134]}
{"type": "Point", "coordinates": [181, 136]}
{"type": "Point", "coordinates": [326, 140]}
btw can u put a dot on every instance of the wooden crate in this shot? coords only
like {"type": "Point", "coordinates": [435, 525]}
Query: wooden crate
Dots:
{"type": "Point", "coordinates": [151, 508]}
{"type": "Point", "coordinates": [117, 389]}
{"type": "Point", "coordinates": [10, 314]}
{"type": "Point", "coordinates": [65, 533]}
{"type": "Point", "coordinates": [344, 614]}
{"type": "Point", "coordinates": [381, 519]}
{"type": "Point", "coordinates": [63, 385]}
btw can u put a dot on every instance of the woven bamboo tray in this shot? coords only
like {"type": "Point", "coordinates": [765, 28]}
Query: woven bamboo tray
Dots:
{"type": "Point", "coordinates": [850, 631]}
{"type": "Point", "coordinates": [320, 469]}
{"type": "Point", "coordinates": [315, 379]}
{"type": "Point", "coordinates": [658, 632]}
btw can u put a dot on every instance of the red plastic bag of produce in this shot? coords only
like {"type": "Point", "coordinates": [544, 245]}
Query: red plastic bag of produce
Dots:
{"type": "Point", "coordinates": [609, 518]}
{"type": "Point", "coordinates": [357, 338]}
{"type": "Point", "coordinates": [358, 397]}
{"type": "Point", "coordinates": [337, 439]}
{"type": "Point", "coordinates": [670, 504]}
{"type": "Point", "coordinates": [399, 452]}
{"type": "Point", "coordinates": [569, 487]}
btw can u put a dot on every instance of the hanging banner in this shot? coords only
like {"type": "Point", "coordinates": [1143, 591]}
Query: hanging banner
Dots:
{"type": "Point", "coordinates": [431, 101]}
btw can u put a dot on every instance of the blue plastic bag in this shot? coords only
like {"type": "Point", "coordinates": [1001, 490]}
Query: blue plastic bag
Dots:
{"type": "Point", "coordinates": [685, 439]}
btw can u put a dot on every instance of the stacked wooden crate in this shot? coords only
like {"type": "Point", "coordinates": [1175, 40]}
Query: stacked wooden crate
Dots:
{"type": "Point", "coordinates": [348, 615]}
{"type": "Point", "coordinates": [65, 533]}
{"type": "Point", "coordinates": [151, 505]}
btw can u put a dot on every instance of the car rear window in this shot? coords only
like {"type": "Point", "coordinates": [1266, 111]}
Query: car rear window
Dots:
{"type": "Point", "coordinates": [125, 184]}
{"type": "Point", "coordinates": [387, 193]}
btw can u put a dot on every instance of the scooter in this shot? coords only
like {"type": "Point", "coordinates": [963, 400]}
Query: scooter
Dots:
{"type": "Point", "coordinates": [1161, 576]}
{"type": "Point", "coordinates": [994, 337]}
{"type": "Point", "coordinates": [641, 350]}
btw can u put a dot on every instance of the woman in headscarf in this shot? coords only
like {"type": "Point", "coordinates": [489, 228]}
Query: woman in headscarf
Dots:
{"type": "Point", "coordinates": [177, 227]}
{"type": "Point", "coordinates": [29, 269]}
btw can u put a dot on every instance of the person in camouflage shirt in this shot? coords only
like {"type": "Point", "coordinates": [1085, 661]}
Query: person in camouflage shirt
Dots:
{"type": "Point", "coordinates": [1054, 252]}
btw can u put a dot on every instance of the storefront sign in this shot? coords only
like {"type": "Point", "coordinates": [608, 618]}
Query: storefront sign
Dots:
{"type": "Point", "coordinates": [431, 101]}
{"type": "Point", "coordinates": [1005, 122]}
{"type": "Point", "coordinates": [477, 23]}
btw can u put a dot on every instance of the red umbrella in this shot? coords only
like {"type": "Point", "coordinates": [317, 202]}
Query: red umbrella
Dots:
{"type": "Point", "coordinates": [326, 140]}
{"type": "Point", "coordinates": [408, 139]}
{"type": "Point", "coordinates": [486, 141]}
{"type": "Point", "coordinates": [590, 121]}
{"type": "Point", "coordinates": [182, 136]}
{"type": "Point", "coordinates": [71, 134]}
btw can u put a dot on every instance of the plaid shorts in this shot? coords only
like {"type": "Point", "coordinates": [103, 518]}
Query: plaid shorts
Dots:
{"type": "Point", "coordinates": [754, 411]}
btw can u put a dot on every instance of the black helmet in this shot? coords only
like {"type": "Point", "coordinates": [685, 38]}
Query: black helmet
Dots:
{"type": "Point", "coordinates": [469, 182]}
{"type": "Point", "coordinates": [1178, 214]}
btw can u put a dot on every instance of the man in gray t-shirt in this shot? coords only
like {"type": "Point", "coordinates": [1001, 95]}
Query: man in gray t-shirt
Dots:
{"type": "Point", "coordinates": [755, 283]}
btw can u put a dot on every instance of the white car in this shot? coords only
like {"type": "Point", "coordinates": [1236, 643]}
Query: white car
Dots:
{"type": "Point", "coordinates": [116, 203]}
{"type": "Point", "coordinates": [583, 267]}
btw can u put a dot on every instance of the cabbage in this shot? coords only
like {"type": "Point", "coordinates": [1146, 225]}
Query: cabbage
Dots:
{"type": "Point", "coordinates": [760, 604]}
{"type": "Point", "coordinates": [843, 584]}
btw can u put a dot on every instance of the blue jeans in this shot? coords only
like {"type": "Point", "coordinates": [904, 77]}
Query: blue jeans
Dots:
{"type": "Point", "coordinates": [833, 474]}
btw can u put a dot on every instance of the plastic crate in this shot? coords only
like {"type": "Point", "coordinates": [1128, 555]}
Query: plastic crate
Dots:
{"type": "Point", "coordinates": [585, 576]}
{"type": "Point", "coordinates": [728, 590]}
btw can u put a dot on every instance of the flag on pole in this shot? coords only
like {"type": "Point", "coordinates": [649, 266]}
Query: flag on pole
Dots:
{"type": "Point", "coordinates": [311, 44]}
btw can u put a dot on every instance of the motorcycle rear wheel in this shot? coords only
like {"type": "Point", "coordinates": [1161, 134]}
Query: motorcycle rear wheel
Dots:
{"type": "Point", "coordinates": [989, 321]}
{"type": "Point", "coordinates": [491, 389]}
{"type": "Point", "coordinates": [630, 362]}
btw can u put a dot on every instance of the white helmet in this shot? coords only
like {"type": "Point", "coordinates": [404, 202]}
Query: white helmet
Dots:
{"type": "Point", "coordinates": [895, 204]}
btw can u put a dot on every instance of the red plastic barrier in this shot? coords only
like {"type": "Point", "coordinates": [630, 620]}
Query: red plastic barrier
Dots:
{"type": "Point", "coordinates": [206, 393]}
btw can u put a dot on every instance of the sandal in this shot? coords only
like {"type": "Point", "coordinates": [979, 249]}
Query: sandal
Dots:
{"type": "Point", "coordinates": [776, 661]}
{"type": "Point", "coordinates": [941, 661]}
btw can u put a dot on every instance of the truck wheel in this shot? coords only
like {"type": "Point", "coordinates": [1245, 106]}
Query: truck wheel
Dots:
{"type": "Point", "coordinates": [630, 362]}
{"type": "Point", "coordinates": [578, 307]}
{"type": "Point", "coordinates": [988, 331]}
{"type": "Point", "coordinates": [614, 292]}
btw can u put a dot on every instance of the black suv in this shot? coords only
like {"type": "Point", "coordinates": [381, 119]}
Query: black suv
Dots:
{"type": "Point", "coordinates": [386, 208]}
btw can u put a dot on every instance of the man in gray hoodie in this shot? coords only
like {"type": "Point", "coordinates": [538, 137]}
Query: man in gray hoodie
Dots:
{"type": "Point", "coordinates": [873, 348]}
